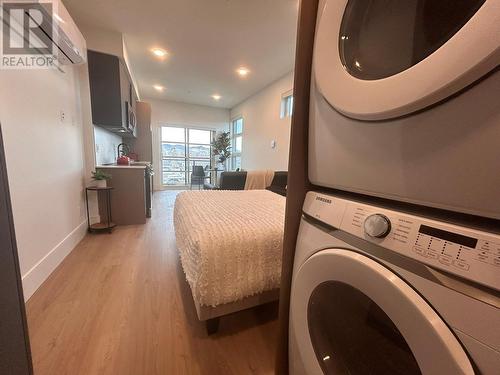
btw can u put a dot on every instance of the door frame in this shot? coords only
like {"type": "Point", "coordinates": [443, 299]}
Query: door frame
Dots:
{"type": "Point", "coordinates": [15, 352]}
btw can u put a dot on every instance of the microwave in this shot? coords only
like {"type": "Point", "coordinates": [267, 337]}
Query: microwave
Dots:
{"type": "Point", "coordinates": [131, 118]}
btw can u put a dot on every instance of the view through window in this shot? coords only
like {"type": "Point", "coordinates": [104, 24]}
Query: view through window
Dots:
{"type": "Point", "coordinates": [181, 148]}
{"type": "Point", "coordinates": [286, 105]}
{"type": "Point", "coordinates": [236, 142]}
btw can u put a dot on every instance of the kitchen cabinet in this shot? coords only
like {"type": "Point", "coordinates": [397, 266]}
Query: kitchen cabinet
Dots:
{"type": "Point", "coordinates": [131, 198]}
{"type": "Point", "coordinates": [112, 94]}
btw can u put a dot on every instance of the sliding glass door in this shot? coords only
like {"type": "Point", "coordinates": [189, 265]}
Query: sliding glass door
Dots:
{"type": "Point", "coordinates": [181, 149]}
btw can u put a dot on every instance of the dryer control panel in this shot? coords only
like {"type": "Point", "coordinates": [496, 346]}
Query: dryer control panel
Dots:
{"type": "Point", "coordinates": [468, 253]}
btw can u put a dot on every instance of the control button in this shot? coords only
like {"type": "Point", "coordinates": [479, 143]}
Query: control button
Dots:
{"type": "Point", "coordinates": [420, 251]}
{"type": "Point", "coordinates": [377, 226]}
{"type": "Point", "coordinates": [462, 264]}
{"type": "Point", "coordinates": [445, 259]}
{"type": "Point", "coordinates": [431, 254]}
{"type": "Point", "coordinates": [483, 255]}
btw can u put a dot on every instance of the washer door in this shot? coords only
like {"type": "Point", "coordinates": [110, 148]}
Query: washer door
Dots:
{"type": "Point", "coordinates": [351, 315]}
{"type": "Point", "coordinates": [376, 59]}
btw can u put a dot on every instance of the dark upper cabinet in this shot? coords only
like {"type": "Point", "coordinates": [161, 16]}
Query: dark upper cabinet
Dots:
{"type": "Point", "coordinates": [112, 94]}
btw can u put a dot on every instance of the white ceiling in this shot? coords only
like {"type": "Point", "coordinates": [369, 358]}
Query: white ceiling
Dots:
{"type": "Point", "coordinates": [207, 40]}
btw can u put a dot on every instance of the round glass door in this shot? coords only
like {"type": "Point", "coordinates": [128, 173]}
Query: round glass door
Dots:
{"type": "Point", "coordinates": [378, 60]}
{"type": "Point", "coordinates": [352, 335]}
{"type": "Point", "coordinates": [352, 315]}
{"type": "Point", "coordinates": [381, 38]}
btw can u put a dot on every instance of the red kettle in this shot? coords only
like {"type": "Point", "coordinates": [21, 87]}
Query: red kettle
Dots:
{"type": "Point", "coordinates": [123, 160]}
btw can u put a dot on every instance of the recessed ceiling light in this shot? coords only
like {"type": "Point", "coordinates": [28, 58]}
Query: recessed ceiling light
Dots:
{"type": "Point", "coordinates": [159, 52]}
{"type": "Point", "coordinates": [242, 71]}
{"type": "Point", "coordinates": [159, 88]}
{"type": "Point", "coordinates": [216, 97]}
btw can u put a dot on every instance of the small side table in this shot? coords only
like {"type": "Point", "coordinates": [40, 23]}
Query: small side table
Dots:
{"type": "Point", "coordinates": [108, 225]}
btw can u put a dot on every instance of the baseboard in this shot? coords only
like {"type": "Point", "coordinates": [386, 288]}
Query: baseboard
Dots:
{"type": "Point", "coordinates": [42, 270]}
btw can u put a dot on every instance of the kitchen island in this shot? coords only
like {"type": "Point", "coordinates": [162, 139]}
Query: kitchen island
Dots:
{"type": "Point", "coordinates": [131, 198]}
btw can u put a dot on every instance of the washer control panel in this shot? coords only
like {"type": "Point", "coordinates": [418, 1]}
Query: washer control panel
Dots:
{"type": "Point", "coordinates": [469, 253]}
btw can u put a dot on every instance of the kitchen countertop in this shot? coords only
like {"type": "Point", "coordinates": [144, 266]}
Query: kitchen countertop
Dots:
{"type": "Point", "coordinates": [130, 200]}
{"type": "Point", "coordinates": [132, 166]}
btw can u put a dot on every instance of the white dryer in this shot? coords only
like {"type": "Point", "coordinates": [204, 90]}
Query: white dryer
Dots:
{"type": "Point", "coordinates": [405, 102]}
{"type": "Point", "coordinates": [378, 291]}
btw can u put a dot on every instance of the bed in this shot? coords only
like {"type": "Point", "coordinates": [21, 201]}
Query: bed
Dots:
{"type": "Point", "coordinates": [230, 246]}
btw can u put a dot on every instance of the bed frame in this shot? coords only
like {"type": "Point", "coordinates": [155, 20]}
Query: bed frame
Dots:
{"type": "Point", "coordinates": [211, 315]}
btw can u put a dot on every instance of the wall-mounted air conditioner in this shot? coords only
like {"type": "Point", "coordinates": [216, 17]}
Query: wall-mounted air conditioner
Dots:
{"type": "Point", "coordinates": [57, 28]}
{"type": "Point", "coordinates": [70, 44]}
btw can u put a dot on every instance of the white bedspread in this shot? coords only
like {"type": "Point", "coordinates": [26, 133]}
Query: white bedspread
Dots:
{"type": "Point", "coordinates": [230, 242]}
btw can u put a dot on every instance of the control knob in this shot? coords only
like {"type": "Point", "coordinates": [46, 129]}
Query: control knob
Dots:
{"type": "Point", "coordinates": [377, 226]}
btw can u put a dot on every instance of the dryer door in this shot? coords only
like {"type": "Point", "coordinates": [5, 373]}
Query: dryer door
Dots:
{"type": "Point", "coordinates": [352, 315]}
{"type": "Point", "coordinates": [376, 60]}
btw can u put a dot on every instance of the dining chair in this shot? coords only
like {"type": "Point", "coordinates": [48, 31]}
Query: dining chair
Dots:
{"type": "Point", "coordinates": [198, 176]}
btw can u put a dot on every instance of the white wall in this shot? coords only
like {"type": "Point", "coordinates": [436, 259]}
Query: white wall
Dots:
{"type": "Point", "coordinates": [164, 112]}
{"type": "Point", "coordinates": [45, 164]}
{"type": "Point", "coordinates": [262, 124]}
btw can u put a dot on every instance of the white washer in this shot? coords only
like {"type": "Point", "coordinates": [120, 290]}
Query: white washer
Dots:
{"type": "Point", "coordinates": [384, 292]}
{"type": "Point", "coordinates": [404, 102]}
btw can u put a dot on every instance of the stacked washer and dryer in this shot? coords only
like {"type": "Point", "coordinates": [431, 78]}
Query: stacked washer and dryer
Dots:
{"type": "Point", "coordinates": [397, 265]}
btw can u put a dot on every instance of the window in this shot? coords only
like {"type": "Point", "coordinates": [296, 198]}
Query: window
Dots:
{"type": "Point", "coordinates": [181, 148]}
{"type": "Point", "coordinates": [236, 142]}
{"type": "Point", "coordinates": [286, 105]}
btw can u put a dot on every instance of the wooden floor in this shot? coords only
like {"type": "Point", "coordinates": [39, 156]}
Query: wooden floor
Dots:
{"type": "Point", "coordinates": [118, 304]}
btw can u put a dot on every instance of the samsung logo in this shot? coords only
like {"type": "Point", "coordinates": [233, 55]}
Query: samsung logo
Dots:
{"type": "Point", "coordinates": [324, 200]}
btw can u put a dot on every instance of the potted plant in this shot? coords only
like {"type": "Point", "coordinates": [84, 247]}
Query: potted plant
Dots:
{"type": "Point", "coordinates": [100, 178]}
{"type": "Point", "coordinates": [221, 146]}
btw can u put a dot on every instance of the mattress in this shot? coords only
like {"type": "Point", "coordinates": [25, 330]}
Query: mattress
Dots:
{"type": "Point", "coordinates": [230, 243]}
